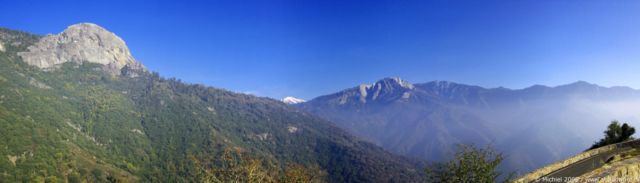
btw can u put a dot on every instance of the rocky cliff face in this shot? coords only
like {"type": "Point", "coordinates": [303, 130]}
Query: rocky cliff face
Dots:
{"type": "Point", "coordinates": [84, 42]}
{"type": "Point", "coordinates": [383, 91]}
{"type": "Point", "coordinates": [387, 88]}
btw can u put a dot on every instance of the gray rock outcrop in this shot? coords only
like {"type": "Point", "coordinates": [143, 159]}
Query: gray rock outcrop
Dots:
{"type": "Point", "coordinates": [84, 42]}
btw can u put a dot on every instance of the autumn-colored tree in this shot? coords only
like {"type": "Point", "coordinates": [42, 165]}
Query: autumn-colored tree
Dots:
{"type": "Point", "coordinates": [298, 173]}
{"type": "Point", "coordinates": [235, 166]}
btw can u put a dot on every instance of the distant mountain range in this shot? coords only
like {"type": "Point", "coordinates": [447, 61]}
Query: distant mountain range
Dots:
{"type": "Point", "coordinates": [532, 126]}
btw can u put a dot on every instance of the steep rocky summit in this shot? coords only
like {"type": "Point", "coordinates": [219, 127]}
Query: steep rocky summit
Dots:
{"type": "Point", "coordinates": [84, 42]}
{"type": "Point", "coordinates": [383, 91]}
{"type": "Point", "coordinates": [391, 87]}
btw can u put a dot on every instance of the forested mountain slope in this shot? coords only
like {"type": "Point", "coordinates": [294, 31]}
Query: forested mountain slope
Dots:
{"type": "Point", "coordinates": [111, 120]}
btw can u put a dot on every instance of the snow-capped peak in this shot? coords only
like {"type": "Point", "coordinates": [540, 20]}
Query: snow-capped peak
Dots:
{"type": "Point", "coordinates": [292, 100]}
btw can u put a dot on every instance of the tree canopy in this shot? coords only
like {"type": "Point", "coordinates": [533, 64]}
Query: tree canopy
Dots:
{"type": "Point", "coordinates": [471, 164]}
{"type": "Point", "coordinates": [615, 133]}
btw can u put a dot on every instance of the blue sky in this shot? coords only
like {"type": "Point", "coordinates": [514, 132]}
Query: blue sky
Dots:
{"type": "Point", "coordinates": [308, 48]}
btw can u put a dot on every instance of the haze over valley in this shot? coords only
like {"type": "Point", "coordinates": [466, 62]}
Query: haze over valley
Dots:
{"type": "Point", "coordinates": [533, 126]}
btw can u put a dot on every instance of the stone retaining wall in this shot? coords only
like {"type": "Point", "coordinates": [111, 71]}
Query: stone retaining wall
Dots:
{"type": "Point", "coordinates": [561, 164]}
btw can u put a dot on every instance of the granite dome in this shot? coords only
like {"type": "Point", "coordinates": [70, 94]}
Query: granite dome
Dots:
{"type": "Point", "coordinates": [84, 42]}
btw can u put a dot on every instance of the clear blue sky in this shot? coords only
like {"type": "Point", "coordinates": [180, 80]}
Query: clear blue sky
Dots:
{"type": "Point", "coordinates": [308, 48]}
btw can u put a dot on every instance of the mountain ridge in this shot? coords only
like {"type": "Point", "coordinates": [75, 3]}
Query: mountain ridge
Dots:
{"type": "Point", "coordinates": [436, 115]}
